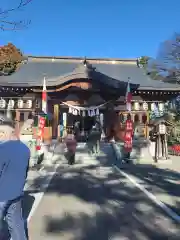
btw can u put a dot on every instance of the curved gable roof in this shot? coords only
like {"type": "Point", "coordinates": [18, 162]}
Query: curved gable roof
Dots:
{"type": "Point", "coordinates": [60, 70]}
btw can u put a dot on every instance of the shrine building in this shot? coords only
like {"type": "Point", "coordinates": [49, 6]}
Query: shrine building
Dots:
{"type": "Point", "coordinates": [83, 89]}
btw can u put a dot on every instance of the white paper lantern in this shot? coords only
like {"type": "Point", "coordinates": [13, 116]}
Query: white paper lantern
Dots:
{"type": "Point", "coordinates": [93, 113]}
{"type": "Point", "coordinates": [162, 128]}
{"type": "Point", "coordinates": [136, 106]}
{"type": "Point", "coordinates": [161, 107]}
{"type": "Point", "coordinates": [20, 103]}
{"type": "Point", "coordinates": [83, 113]}
{"type": "Point", "coordinates": [75, 112]}
{"type": "Point", "coordinates": [11, 104]}
{"type": "Point", "coordinates": [152, 106]}
{"type": "Point", "coordinates": [29, 104]}
{"type": "Point", "coordinates": [97, 111]}
{"type": "Point", "coordinates": [145, 106]}
{"type": "Point", "coordinates": [64, 117]}
{"type": "Point", "coordinates": [2, 103]}
{"type": "Point", "coordinates": [102, 119]}
{"type": "Point", "coordinates": [70, 110]}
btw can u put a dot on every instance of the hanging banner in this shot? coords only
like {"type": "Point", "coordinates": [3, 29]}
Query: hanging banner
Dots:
{"type": "Point", "coordinates": [41, 125]}
{"type": "Point", "coordinates": [128, 142]}
{"type": "Point", "coordinates": [85, 111]}
{"type": "Point", "coordinates": [128, 136]}
{"type": "Point", "coordinates": [129, 126]}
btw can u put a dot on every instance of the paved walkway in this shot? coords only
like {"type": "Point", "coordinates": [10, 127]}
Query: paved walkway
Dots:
{"type": "Point", "coordinates": [91, 200]}
{"type": "Point", "coordinates": [162, 178]}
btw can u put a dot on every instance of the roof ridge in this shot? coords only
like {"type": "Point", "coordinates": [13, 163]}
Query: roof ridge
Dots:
{"type": "Point", "coordinates": [82, 58]}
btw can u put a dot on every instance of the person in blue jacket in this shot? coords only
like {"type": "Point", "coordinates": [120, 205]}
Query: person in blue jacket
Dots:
{"type": "Point", "coordinates": [14, 162]}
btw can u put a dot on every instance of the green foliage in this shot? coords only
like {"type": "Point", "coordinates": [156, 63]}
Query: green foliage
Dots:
{"type": "Point", "coordinates": [144, 61]}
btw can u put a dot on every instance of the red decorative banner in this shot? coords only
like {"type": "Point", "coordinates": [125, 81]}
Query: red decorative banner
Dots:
{"type": "Point", "coordinates": [129, 126]}
{"type": "Point", "coordinates": [128, 136]}
{"type": "Point", "coordinates": [41, 126]}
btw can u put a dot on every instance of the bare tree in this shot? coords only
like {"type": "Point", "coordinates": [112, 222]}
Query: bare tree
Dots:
{"type": "Point", "coordinates": [167, 62]}
{"type": "Point", "coordinates": [7, 24]}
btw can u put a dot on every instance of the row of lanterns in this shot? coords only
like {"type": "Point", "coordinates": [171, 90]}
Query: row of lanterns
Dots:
{"type": "Point", "coordinates": [11, 103]}
{"type": "Point", "coordinates": [145, 106]}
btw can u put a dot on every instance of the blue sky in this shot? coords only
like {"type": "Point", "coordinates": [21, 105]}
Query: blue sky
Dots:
{"type": "Point", "coordinates": [94, 28]}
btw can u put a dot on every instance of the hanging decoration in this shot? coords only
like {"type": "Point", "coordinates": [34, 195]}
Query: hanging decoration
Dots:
{"type": "Point", "coordinates": [11, 104]}
{"type": "Point", "coordinates": [161, 106]}
{"type": "Point", "coordinates": [44, 97]}
{"type": "Point", "coordinates": [136, 106]}
{"type": "Point", "coordinates": [152, 106]}
{"type": "Point", "coordinates": [40, 132]}
{"type": "Point", "coordinates": [20, 103]}
{"type": "Point", "coordinates": [29, 104]}
{"type": "Point", "coordinates": [97, 112]}
{"type": "Point", "coordinates": [101, 119]}
{"type": "Point", "coordinates": [156, 110]}
{"type": "Point", "coordinates": [2, 103]}
{"type": "Point", "coordinates": [145, 106]}
{"type": "Point", "coordinates": [128, 97]}
{"type": "Point", "coordinates": [64, 119]}
{"type": "Point", "coordinates": [178, 98]}
{"type": "Point", "coordinates": [93, 113]}
{"type": "Point", "coordinates": [83, 111]}
{"type": "Point", "coordinates": [161, 109]}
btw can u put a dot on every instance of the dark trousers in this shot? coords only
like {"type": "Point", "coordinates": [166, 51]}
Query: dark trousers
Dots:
{"type": "Point", "coordinates": [71, 157]}
{"type": "Point", "coordinates": [11, 212]}
{"type": "Point", "coordinates": [94, 146]}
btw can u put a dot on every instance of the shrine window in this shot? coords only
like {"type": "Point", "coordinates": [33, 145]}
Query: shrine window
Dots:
{"type": "Point", "coordinates": [144, 119]}
{"type": "Point", "coordinates": [21, 117]}
{"type": "Point", "coordinates": [136, 118]}
{"type": "Point", "coordinates": [129, 116]}
{"type": "Point", "coordinates": [121, 118]}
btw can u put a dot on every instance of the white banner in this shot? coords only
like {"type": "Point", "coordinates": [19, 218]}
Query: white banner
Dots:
{"type": "Point", "coordinates": [84, 111]}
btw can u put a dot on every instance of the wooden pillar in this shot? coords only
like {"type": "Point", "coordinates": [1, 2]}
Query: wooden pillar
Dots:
{"type": "Point", "coordinates": [17, 124]}
{"type": "Point", "coordinates": [26, 114]}
{"type": "Point", "coordinates": [55, 120]}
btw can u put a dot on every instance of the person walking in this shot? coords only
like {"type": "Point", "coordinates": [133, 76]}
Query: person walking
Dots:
{"type": "Point", "coordinates": [14, 162]}
{"type": "Point", "coordinates": [94, 140]}
{"type": "Point", "coordinates": [71, 144]}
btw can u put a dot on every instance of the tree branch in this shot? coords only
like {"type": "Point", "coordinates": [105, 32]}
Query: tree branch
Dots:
{"type": "Point", "coordinates": [13, 25]}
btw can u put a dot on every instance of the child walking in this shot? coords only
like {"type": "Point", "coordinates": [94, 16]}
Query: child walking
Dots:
{"type": "Point", "coordinates": [71, 147]}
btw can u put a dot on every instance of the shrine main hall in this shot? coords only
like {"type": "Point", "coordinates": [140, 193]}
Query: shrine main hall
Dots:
{"type": "Point", "coordinates": [83, 89]}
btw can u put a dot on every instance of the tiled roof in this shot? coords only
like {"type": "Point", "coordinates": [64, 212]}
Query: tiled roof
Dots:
{"type": "Point", "coordinates": [58, 70]}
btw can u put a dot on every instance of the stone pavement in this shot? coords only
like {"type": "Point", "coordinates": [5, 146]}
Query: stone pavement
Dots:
{"type": "Point", "coordinates": [91, 200]}
{"type": "Point", "coordinates": [162, 178]}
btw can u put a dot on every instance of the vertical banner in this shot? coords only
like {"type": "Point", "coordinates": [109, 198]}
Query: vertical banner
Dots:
{"type": "Point", "coordinates": [128, 134]}
{"type": "Point", "coordinates": [64, 122]}
{"type": "Point", "coordinates": [56, 120]}
{"type": "Point", "coordinates": [44, 97]}
{"type": "Point", "coordinates": [17, 124]}
{"type": "Point", "coordinates": [102, 119]}
{"type": "Point", "coordinates": [128, 98]}
{"type": "Point", "coordinates": [40, 133]}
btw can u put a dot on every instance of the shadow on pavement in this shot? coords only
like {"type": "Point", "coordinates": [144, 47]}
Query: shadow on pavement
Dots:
{"type": "Point", "coordinates": [164, 182]}
{"type": "Point", "coordinates": [118, 209]}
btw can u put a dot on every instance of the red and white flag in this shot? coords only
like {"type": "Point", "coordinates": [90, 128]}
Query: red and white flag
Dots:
{"type": "Point", "coordinates": [44, 97]}
{"type": "Point", "coordinates": [128, 98]}
{"type": "Point", "coordinates": [41, 119]}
